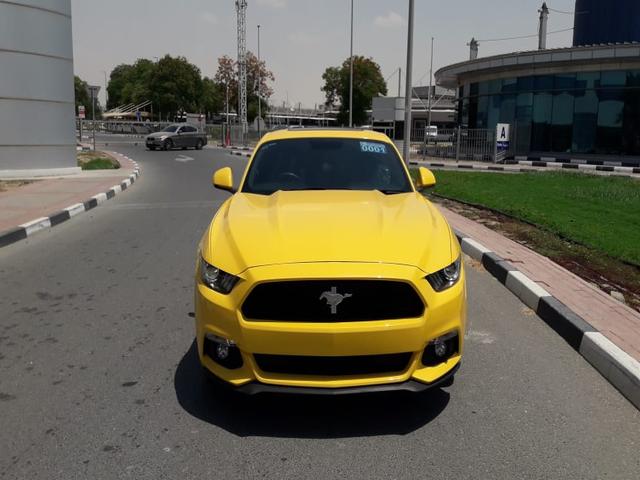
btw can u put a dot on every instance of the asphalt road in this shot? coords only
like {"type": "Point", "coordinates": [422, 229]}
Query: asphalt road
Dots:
{"type": "Point", "coordinates": [98, 375]}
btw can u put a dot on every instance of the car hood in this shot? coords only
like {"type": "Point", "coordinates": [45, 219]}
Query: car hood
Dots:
{"type": "Point", "coordinates": [327, 226]}
{"type": "Point", "coordinates": [159, 134]}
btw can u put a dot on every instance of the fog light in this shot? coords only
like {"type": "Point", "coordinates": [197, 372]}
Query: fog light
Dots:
{"type": "Point", "coordinates": [223, 351]}
{"type": "Point", "coordinates": [439, 348]}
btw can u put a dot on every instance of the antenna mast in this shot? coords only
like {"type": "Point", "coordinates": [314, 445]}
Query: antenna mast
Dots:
{"type": "Point", "coordinates": [241, 10]}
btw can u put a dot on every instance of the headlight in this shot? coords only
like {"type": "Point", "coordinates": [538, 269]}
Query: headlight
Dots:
{"type": "Point", "coordinates": [216, 279]}
{"type": "Point", "coordinates": [445, 278]}
{"type": "Point", "coordinates": [163, 137]}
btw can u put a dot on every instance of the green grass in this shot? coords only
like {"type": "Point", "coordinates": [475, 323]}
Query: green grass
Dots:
{"type": "Point", "coordinates": [599, 212]}
{"type": "Point", "coordinates": [96, 161]}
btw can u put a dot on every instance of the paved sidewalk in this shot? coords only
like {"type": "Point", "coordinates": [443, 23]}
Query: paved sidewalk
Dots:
{"type": "Point", "coordinates": [21, 205]}
{"type": "Point", "coordinates": [616, 321]}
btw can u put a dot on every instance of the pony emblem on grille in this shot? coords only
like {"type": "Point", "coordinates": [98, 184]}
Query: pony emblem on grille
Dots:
{"type": "Point", "coordinates": [333, 299]}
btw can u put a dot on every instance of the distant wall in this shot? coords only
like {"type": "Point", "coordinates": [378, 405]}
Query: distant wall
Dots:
{"type": "Point", "coordinates": [36, 85]}
{"type": "Point", "coordinates": [606, 21]}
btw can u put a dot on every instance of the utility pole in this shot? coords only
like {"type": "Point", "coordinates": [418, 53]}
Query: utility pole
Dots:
{"type": "Point", "coordinates": [430, 86]}
{"type": "Point", "coordinates": [407, 93]}
{"type": "Point", "coordinates": [399, 80]}
{"type": "Point", "coordinates": [241, 11]}
{"type": "Point", "coordinates": [351, 74]}
{"type": "Point", "coordinates": [259, 89]}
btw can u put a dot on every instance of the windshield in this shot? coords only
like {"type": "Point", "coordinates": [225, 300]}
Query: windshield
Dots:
{"type": "Point", "coordinates": [170, 128]}
{"type": "Point", "coordinates": [326, 164]}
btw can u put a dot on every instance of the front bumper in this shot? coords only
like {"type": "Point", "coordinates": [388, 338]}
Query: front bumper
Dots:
{"type": "Point", "coordinates": [255, 388]}
{"type": "Point", "coordinates": [220, 315]}
{"type": "Point", "coordinates": [153, 142]}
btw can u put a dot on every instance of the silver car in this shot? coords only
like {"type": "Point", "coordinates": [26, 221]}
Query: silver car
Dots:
{"type": "Point", "coordinates": [179, 135]}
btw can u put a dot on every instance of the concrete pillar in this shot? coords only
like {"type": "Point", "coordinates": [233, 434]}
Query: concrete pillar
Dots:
{"type": "Point", "coordinates": [37, 132]}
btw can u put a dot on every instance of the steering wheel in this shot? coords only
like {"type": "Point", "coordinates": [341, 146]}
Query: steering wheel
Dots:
{"type": "Point", "coordinates": [290, 177]}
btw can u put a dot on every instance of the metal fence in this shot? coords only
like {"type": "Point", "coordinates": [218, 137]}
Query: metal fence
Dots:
{"type": "Point", "coordinates": [460, 144]}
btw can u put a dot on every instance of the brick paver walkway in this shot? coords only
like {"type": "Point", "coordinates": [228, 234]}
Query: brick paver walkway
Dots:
{"type": "Point", "coordinates": [44, 197]}
{"type": "Point", "coordinates": [616, 321]}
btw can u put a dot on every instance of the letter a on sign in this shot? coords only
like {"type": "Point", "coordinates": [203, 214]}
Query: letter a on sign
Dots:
{"type": "Point", "coordinates": [502, 132]}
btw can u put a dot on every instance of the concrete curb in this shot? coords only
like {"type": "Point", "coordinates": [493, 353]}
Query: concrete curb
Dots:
{"type": "Point", "coordinates": [618, 367]}
{"type": "Point", "coordinates": [526, 166]}
{"type": "Point", "coordinates": [34, 226]}
{"type": "Point", "coordinates": [239, 153]}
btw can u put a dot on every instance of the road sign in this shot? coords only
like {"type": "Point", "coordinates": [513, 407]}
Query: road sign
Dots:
{"type": "Point", "coordinates": [502, 135]}
{"type": "Point", "coordinates": [81, 113]}
{"type": "Point", "coordinates": [93, 90]}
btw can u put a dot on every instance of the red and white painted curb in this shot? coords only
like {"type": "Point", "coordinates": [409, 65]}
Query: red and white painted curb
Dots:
{"type": "Point", "coordinates": [32, 227]}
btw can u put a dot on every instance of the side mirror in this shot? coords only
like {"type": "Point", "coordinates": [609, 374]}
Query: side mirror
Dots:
{"type": "Point", "coordinates": [425, 178]}
{"type": "Point", "coordinates": [223, 179]}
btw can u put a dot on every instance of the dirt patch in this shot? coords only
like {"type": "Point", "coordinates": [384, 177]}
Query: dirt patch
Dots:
{"type": "Point", "coordinates": [606, 273]}
{"type": "Point", "coordinates": [6, 185]}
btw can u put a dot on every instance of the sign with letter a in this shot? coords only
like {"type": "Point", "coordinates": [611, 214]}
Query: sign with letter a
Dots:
{"type": "Point", "coordinates": [502, 135]}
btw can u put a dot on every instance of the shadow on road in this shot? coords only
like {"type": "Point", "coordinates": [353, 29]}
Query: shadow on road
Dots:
{"type": "Point", "coordinates": [298, 416]}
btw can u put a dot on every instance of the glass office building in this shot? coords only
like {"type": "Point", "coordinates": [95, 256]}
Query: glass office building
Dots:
{"type": "Point", "coordinates": [584, 112]}
{"type": "Point", "coordinates": [571, 101]}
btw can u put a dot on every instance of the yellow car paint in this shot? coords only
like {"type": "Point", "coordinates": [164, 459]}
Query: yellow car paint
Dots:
{"type": "Point", "coordinates": [334, 235]}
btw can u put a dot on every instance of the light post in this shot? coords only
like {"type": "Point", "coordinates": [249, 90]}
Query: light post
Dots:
{"type": "Point", "coordinates": [259, 89]}
{"type": "Point", "coordinates": [408, 90]}
{"type": "Point", "coordinates": [430, 86]}
{"type": "Point", "coordinates": [351, 74]}
{"type": "Point", "coordinates": [106, 93]}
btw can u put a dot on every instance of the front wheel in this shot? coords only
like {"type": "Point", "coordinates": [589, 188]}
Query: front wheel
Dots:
{"type": "Point", "coordinates": [167, 145]}
{"type": "Point", "coordinates": [199, 145]}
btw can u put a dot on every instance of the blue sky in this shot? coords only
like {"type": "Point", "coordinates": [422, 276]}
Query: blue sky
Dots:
{"type": "Point", "coordinates": [300, 38]}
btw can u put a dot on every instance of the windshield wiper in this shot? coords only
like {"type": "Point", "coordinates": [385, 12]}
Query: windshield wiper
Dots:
{"type": "Point", "coordinates": [390, 191]}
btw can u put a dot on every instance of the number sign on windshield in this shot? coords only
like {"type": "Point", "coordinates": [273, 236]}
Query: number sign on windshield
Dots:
{"type": "Point", "coordinates": [371, 147]}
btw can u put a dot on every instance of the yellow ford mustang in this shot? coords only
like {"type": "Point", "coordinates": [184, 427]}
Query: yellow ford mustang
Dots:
{"type": "Point", "coordinates": [328, 272]}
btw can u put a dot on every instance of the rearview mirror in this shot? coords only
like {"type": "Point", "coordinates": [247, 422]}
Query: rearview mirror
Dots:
{"type": "Point", "coordinates": [223, 179]}
{"type": "Point", "coordinates": [425, 178]}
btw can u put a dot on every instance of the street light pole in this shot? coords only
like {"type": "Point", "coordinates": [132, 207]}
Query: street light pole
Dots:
{"type": "Point", "coordinates": [259, 89]}
{"type": "Point", "coordinates": [430, 86]}
{"type": "Point", "coordinates": [407, 93]}
{"type": "Point", "coordinates": [351, 73]}
{"type": "Point", "coordinates": [106, 93]}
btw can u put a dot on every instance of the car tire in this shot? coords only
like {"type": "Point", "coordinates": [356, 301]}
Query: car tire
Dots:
{"type": "Point", "coordinates": [167, 145]}
{"type": "Point", "coordinates": [152, 148]}
{"type": "Point", "coordinates": [199, 145]}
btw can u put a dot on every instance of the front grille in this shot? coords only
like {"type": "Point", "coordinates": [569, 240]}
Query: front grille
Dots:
{"type": "Point", "coordinates": [332, 301]}
{"type": "Point", "coordinates": [333, 366]}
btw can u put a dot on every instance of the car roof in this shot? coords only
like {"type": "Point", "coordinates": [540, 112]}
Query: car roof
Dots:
{"type": "Point", "coordinates": [352, 133]}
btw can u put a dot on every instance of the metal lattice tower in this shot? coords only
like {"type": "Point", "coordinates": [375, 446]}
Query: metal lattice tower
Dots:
{"type": "Point", "coordinates": [241, 10]}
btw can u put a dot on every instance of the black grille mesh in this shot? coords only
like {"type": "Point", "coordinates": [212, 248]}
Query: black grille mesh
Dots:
{"type": "Point", "coordinates": [311, 301]}
{"type": "Point", "coordinates": [333, 366]}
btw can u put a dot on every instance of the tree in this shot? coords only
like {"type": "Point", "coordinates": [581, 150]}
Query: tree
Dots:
{"type": "Point", "coordinates": [175, 84]}
{"type": "Point", "coordinates": [81, 90]}
{"type": "Point", "coordinates": [368, 82]}
{"type": "Point", "coordinates": [83, 97]}
{"type": "Point", "coordinates": [213, 96]}
{"type": "Point", "coordinates": [130, 83]}
{"type": "Point", "coordinates": [227, 75]}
